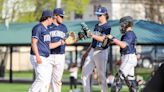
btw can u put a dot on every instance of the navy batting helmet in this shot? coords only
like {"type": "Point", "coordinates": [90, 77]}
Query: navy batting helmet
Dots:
{"type": "Point", "coordinates": [126, 22]}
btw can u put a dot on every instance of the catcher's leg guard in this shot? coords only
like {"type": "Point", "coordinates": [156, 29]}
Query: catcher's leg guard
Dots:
{"type": "Point", "coordinates": [117, 85]}
{"type": "Point", "coordinates": [133, 84]}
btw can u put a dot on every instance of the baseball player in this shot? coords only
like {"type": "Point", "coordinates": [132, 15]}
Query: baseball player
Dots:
{"type": "Point", "coordinates": [58, 31]}
{"type": "Point", "coordinates": [128, 55]}
{"type": "Point", "coordinates": [96, 56]}
{"type": "Point", "coordinates": [40, 50]}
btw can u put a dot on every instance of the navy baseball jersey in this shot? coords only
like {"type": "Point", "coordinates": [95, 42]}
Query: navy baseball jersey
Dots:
{"type": "Point", "coordinates": [104, 29]}
{"type": "Point", "coordinates": [130, 39]}
{"type": "Point", "coordinates": [57, 33]}
{"type": "Point", "coordinates": [41, 33]}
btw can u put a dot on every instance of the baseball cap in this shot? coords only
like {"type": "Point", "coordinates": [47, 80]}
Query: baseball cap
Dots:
{"type": "Point", "coordinates": [59, 11]}
{"type": "Point", "coordinates": [47, 13]}
{"type": "Point", "coordinates": [101, 10]}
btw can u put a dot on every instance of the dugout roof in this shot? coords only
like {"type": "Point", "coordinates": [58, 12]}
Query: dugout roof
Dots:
{"type": "Point", "coordinates": [148, 33]}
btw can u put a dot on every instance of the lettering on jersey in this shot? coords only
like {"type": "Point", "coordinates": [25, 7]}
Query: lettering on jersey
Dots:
{"type": "Point", "coordinates": [47, 38]}
{"type": "Point", "coordinates": [57, 33]}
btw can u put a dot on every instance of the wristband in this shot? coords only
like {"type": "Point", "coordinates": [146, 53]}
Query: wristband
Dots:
{"type": "Point", "coordinates": [116, 41]}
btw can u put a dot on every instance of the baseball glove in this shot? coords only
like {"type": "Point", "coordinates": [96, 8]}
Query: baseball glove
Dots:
{"type": "Point", "coordinates": [105, 42]}
{"type": "Point", "coordinates": [71, 39]}
{"type": "Point", "coordinates": [86, 33]}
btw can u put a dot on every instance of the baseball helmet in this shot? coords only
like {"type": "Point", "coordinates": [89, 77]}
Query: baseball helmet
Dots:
{"type": "Point", "coordinates": [126, 22]}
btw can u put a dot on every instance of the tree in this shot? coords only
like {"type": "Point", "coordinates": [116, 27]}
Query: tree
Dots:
{"type": "Point", "coordinates": [21, 12]}
{"type": "Point", "coordinates": [78, 6]}
{"type": "Point", "coordinates": [153, 9]}
{"type": "Point", "coordinates": [41, 5]}
{"type": "Point", "coordinates": [1, 3]}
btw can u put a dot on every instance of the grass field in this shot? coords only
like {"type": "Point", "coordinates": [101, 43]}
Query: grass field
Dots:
{"type": "Point", "coordinates": [29, 74]}
{"type": "Point", "coordinates": [22, 87]}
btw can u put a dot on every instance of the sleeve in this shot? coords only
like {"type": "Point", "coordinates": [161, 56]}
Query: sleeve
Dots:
{"type": "Point", "coordinates": [128, 38]}
{"type": "Point", "coordinates": [107, 31]}
{"type": "Point", "coordinates": [66, 31]}
{"type": "Point", "coordinates": [35, 32]}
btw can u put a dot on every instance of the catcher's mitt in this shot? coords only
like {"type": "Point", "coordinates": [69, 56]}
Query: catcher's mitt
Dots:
{"type": "Point", "coordinates": [71, 38]}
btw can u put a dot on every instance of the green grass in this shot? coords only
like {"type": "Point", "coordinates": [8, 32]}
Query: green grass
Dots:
{"type": "Point", "coordinates": [14, 87]}
{"type": "Point", "coordinates": [66, 74]}
{"type": "Point", "coordinates": [20, 74]}
{"type": "Point", "coordinates": [22, 87]}
{"type": "Point", "coordinates": [144, 72]}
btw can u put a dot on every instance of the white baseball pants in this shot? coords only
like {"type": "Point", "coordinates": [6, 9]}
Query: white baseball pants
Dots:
{"type": "Point", "coordinates": [129, 61]}
{"type": "Point", "coordinates": [43, 74]}
{"type": "Point", "coordinates": [98, 59]}
{"type": "Point", "coordinates": [58, 61]}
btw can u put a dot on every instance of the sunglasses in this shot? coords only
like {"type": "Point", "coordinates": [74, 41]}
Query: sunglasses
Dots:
{"type": "Point", "coordinates": [61, 16]}
{"type": "Point", "coordinates": [99, 15]}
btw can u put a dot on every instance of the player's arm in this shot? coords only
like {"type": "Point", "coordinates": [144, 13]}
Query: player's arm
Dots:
{"type": "Point", "coordinates": [35, 50]}
{"type": "Point", "coordinates": [56, 44]}
{"type": "Point", "coordinates": [122, 44]}
{"type": "Point", "coordinates": [98, 38]}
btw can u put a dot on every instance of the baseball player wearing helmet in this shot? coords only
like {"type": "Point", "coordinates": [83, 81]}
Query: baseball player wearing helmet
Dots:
{"type": "Point", "coordinates": [40, 50]}
{"type": "Point", "coordinates": [96, 56]}
{"type": "Point", "coordinates": [128, 55]}
{"type": "Point", "coordinates": [58, 32]}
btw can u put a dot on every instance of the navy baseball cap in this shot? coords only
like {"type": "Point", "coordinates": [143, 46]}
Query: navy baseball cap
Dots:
{"type": "Point", "coordinates": [101, 11]}
{"type": "Point", "coordinates": [59, 11]}
{"type": "Point", "coordinates": [47, 13]}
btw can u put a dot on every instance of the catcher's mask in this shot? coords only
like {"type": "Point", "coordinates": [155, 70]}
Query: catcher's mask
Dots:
{"type": "Point", "coordinates": [125, 22]}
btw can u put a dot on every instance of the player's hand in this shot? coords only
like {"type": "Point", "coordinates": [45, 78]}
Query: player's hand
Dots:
{"type": "Point", "coordinates": [39, 60]}
{"type": "Point", "coordinates": [90, 34]}
{"type": "Point", "coordinates": [81, 35]}
{"type": "Point", "coordinates": [110, 36]}
{"type": "Point", "coordinates": [62, 42]}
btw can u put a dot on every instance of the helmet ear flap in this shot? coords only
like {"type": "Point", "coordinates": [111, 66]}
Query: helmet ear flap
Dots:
{"type": "Point", "coordinates": [123, 28]}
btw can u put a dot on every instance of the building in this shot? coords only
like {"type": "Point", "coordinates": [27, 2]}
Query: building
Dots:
{"type": "Point", "coordinates": [139, 9]}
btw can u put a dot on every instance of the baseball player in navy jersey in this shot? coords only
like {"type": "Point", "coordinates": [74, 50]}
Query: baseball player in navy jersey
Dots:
{"type": "Point", "coordinates": [128, 55]}
{"type": "Point", "coordinates": [58, 31]}
{"type": "Point", "coordinates": [96, 55]}
{"type": "Point", "coordinates": [40, 51]}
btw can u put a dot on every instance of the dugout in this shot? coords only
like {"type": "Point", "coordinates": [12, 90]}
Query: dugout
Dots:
{"type": "Point", "coordinates": [19, 35]}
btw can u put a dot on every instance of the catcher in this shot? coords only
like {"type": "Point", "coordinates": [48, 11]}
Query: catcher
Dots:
{"type": "Point", "coordinates": [128, 55]}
